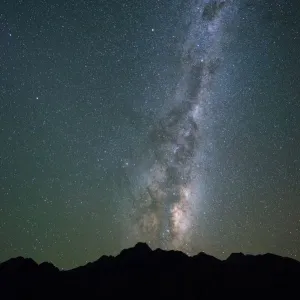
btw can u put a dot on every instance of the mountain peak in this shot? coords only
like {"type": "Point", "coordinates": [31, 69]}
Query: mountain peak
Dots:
{"type": "Point", "coordinates": [235, 257]}
{"type": "Point", "coordinates": [143, 247]}
{"type": "Point", "coordinates": [18, 264]}
{"type": "Point", "coordinates": [139, 252]}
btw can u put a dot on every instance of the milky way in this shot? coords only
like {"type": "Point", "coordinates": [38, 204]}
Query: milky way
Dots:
{"type": "Point", "coordinates": [168, 191]}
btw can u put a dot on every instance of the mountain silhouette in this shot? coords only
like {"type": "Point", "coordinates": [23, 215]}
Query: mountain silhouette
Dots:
{"type": "Point", "coordinates": [142, 273]}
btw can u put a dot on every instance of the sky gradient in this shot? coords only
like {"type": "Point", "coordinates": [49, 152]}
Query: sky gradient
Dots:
{"type": "Point", "coordinates": [174, 124]}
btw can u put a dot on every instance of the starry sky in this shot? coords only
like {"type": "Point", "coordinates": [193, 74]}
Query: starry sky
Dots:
{"type": "Point", "coordinates": [175, 123]}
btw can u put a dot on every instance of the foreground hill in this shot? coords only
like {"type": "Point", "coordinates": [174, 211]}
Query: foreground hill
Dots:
{"type": "Point", "coordinates": [140, 273]}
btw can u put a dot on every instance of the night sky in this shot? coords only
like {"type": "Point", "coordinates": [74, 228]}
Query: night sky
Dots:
{"type": "Point", "coordinates": [175, 123]}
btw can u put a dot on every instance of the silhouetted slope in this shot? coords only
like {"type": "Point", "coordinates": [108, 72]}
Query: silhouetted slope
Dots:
{"type": "Point", "coordinates": [139, 272]}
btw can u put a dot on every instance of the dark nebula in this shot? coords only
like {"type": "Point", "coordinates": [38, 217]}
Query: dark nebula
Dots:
{"type": "Point", "coordinates": [167, 218]}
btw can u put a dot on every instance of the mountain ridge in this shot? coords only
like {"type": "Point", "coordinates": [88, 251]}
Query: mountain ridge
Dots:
{"type": "Point", "coordinates": [169, 273]}
{"type": "Point", "coordinates": [143, 249]}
